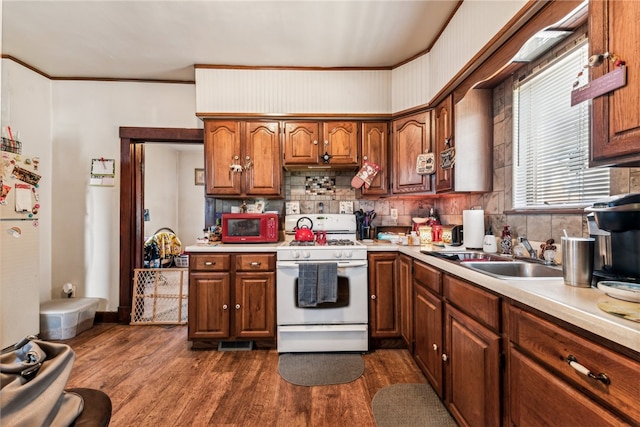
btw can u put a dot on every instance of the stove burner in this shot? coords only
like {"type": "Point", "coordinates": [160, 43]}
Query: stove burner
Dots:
{"type": "Point", "coordinates": [301, 243]}
{"type": "Point", "coordinates": [340, 242]}
{"type": "Point", "coordinates": [332, 242]}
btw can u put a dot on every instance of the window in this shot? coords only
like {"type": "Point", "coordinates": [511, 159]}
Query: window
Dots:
{"type": "Point", "coordinates": [551, 140]}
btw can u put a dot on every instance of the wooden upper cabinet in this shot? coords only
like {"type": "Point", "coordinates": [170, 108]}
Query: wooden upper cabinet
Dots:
{"type": "Point", "coordinates": [340, 140]}
{"type": "Point", "coordinates": [615, 138]}
{"type": "Point", "coordinates": [375, 148]}
{"type": "Point", "coordinates": [221, 149]}
{"type": "Point", "coordinates": [411, 136]}
{"type": "Point", "coordinates": [306, 142]}
{"type": "Point", "coordinates": [254, 146]}
{"type": "Point", "coordinates": [443, 141]}
{"type": "Point", "coordinates": [262, 159]}
{"type": "Point", "coordinates": [301, 141]}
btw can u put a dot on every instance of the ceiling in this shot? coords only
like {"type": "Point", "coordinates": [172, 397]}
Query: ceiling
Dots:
{"type": "Point", "coordinates": [162, 40]}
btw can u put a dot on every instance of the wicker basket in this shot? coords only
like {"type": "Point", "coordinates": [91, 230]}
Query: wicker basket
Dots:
{"type": "Point", "coordinates": [160, 296]}
{"type": "Point", "coordinates": [181, 261]}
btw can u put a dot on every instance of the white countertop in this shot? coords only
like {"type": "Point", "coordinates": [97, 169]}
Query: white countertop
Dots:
{"type": "Point", "coordinates": [220, 247]}
{"type": "Point", "coordinates": [577, 306]}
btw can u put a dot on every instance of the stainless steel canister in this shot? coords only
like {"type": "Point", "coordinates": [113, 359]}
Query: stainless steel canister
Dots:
{"type": "Point", "coordinates": [577, 261]}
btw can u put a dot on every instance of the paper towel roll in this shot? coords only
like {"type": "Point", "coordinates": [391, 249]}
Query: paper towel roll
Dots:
{"type": "Point", "coordinates": [473, 226]}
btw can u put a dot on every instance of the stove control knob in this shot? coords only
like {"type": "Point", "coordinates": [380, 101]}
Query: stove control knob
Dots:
{"type": "Point", "coordinates": [338, 253]}
{"type": "Point", "coordinates": [295, 254]}
{"type": "Point", "coordinates": [348, 253]}
{"type": "Point", "coordinates": [305, 254]}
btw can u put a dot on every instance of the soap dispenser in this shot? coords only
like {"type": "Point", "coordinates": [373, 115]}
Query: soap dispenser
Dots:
{"type": "Point", "coordinates": [505, 243]}
{"type": "Point", "coordinates": [489, 244]}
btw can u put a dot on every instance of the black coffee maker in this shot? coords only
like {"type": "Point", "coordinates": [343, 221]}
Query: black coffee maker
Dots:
{"type": "Point", "coordinates": [620, 217]}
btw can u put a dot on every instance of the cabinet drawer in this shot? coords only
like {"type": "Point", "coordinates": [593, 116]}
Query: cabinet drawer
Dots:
{"type": "Point", "coordinates": [209, 262]}
{"type": "Point", "coordinates": [553, 346]}
{"type": "Point", "coordinates": [255, 262]}
{"type": "Point", "coordinates": [428, 277]}
{"type": "Point", "coordinates": [481, 305]}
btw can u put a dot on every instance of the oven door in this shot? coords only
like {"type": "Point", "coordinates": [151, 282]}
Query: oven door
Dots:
{"type": "Point", "coordinates": [350, 308]}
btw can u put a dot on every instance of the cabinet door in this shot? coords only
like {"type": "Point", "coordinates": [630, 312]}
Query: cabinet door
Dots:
{"type": "Point", "coordinates": [375, 148]}
{"type": "Point", "coordinates": [301, 143]}
{"type": "Point", "coordinates": [428, 335]}
{"type": "Point", "coordinates": [538, 397]}
{"type": "Point", "coordinates": [411, 136]}
{"type": "Point", "coordinates": [383, 296]}
{"type": "Point", "coordinates": [472, 370]}
{"type": "Point", "coordinates": [405, 281]}
{"type": "Point", "coordinates": [222, 149]}
{"type": "Point", "coordinates": [254, 305]}
{"type": "Point", "coordinates": [613, 27]}
{"type": "Point", "coordinates": [209, 309]}
{"type": "Point", "coordinates": [443, 140]}
{"type": "Point", "coordinates": [340, 140]}
{"type": "Point", "coordinates": [262, 159]}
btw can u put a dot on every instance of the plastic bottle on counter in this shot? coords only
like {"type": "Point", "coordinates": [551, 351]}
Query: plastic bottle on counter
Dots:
{"type": "Point", "coordinates": [489, 244]}
{"type": "Point", "coordinates": [505, 243]}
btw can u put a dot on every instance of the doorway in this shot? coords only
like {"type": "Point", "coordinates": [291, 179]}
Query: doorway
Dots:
{"type": "Point", "coordinates": [132, 141]}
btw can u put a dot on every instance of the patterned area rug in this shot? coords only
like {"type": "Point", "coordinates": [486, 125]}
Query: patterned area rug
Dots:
{"type": "Point", "coordinates": [311, 369]}
{"type": "Point", "coordinates": [410, 405]}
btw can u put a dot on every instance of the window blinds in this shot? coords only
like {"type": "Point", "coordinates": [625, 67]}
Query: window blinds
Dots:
{"type": "Point", "coordinates": [551, 140]}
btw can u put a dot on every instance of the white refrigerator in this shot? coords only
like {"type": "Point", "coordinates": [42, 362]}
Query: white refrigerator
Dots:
{"type": "Point", "coordinates": [19, 247]}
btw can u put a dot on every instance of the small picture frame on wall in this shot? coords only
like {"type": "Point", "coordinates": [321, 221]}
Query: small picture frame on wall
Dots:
{"type": "Point", "coordinates": [199, 176]}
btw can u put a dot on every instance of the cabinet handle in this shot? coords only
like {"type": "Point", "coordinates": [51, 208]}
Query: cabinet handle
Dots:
{"type": "Point", "coordinates": [573, 362]}
{"type": "Point", "coordinates": [247, 163]}
{"type": "Point", "coordinates": [435, 347]}
{"type": "Point", "coordinates": [315, 142]}
{"type": "Point", "coordinates": [365, 157]}
{"type": "Point", "coordinates": [237, 306]}
{"type": "Point", "coordinates": [225, 306]}
{"type": "Point", "coordinates": [326, 142]}
{"type": "Point", "coordinates": [373, 297]}
{"type": "Point", "coordinates": [255, 264]}
{"type": "Point", "coordinates": [445, 357]}
{"type": "Point", "coordinates": [209, 263]}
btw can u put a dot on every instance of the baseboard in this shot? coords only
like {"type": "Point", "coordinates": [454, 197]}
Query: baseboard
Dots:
{"type": "Point", "coordinates": [106, 317]}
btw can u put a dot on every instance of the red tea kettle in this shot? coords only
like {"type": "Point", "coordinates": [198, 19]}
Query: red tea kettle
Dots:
{"type": "Point", "coordinates": [303, 232]}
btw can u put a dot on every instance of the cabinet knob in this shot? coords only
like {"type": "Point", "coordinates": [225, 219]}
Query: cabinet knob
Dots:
{"type": "Point", "coordinates": [209, 263]}
{"type": "Point", "coordinates": [373, 297]}
{"type": "Point", "coordinates": [326, 142]}
{"type": "Point", "coordinates": [445, 357]}
{"type": "Point", "coordinates": [315, 142]}
{"type": "Point", "coordinates": [237, 306]}
{"type": "Point", "coordinates": [365, 157]}
{"type": "Point", "coordinates": [255, 264]}
{"type": "Point", "coordinates": [435, 347]}
{"type": "Point", "coordinates": [225, 306]}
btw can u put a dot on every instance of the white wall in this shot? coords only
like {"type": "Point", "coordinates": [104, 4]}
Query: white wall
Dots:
{"type": "Point", "coordinates": [26, 107]}
{"type": "Point", "coordinates": [86, 118]}
{"type": "Point", "coordinates": [171, 195]}
{"type": "Point", "coordinates": [191, 197]}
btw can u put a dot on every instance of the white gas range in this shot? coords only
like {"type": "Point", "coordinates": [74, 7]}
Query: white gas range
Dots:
{"type": "Point", "coordinates": [337, 325]}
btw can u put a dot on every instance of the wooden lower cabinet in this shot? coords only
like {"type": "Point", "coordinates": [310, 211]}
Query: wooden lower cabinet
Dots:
{"type": "Point", "coordinates": [405, 282]}
{"type": "Point", "coordinates": [540, 398]}
{"type": "Point", "coordinates": [232, 296]}
{"type": "Point", "coordinates": [540, 376]}
{"type": "Point", "coordinates": [384, 298]}
{"type": "Point", "coordinates": [427, 350]}
{"type": "Point", "coordinates": [472, 370]}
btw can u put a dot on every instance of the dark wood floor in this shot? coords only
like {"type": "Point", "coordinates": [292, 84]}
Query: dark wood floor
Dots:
{"type": "Point", "coordinates": [155, 379]}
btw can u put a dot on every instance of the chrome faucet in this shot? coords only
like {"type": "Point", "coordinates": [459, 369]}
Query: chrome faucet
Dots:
{"type": "Point", "coordinates": [527, 246]}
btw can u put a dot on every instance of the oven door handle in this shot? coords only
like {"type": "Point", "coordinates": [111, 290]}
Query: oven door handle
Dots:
{"type": "Point", "coordinates": [341, 264]}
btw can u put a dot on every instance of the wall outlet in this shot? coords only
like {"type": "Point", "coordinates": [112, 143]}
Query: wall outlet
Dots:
{"type": "Point", "coordinates": [394, 214]}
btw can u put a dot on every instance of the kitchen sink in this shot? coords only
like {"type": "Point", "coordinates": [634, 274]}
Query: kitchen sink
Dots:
{"type": "Point", "coordinates": [515, 269]}
{"type": "Point", "coordinates": [468, 256]}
